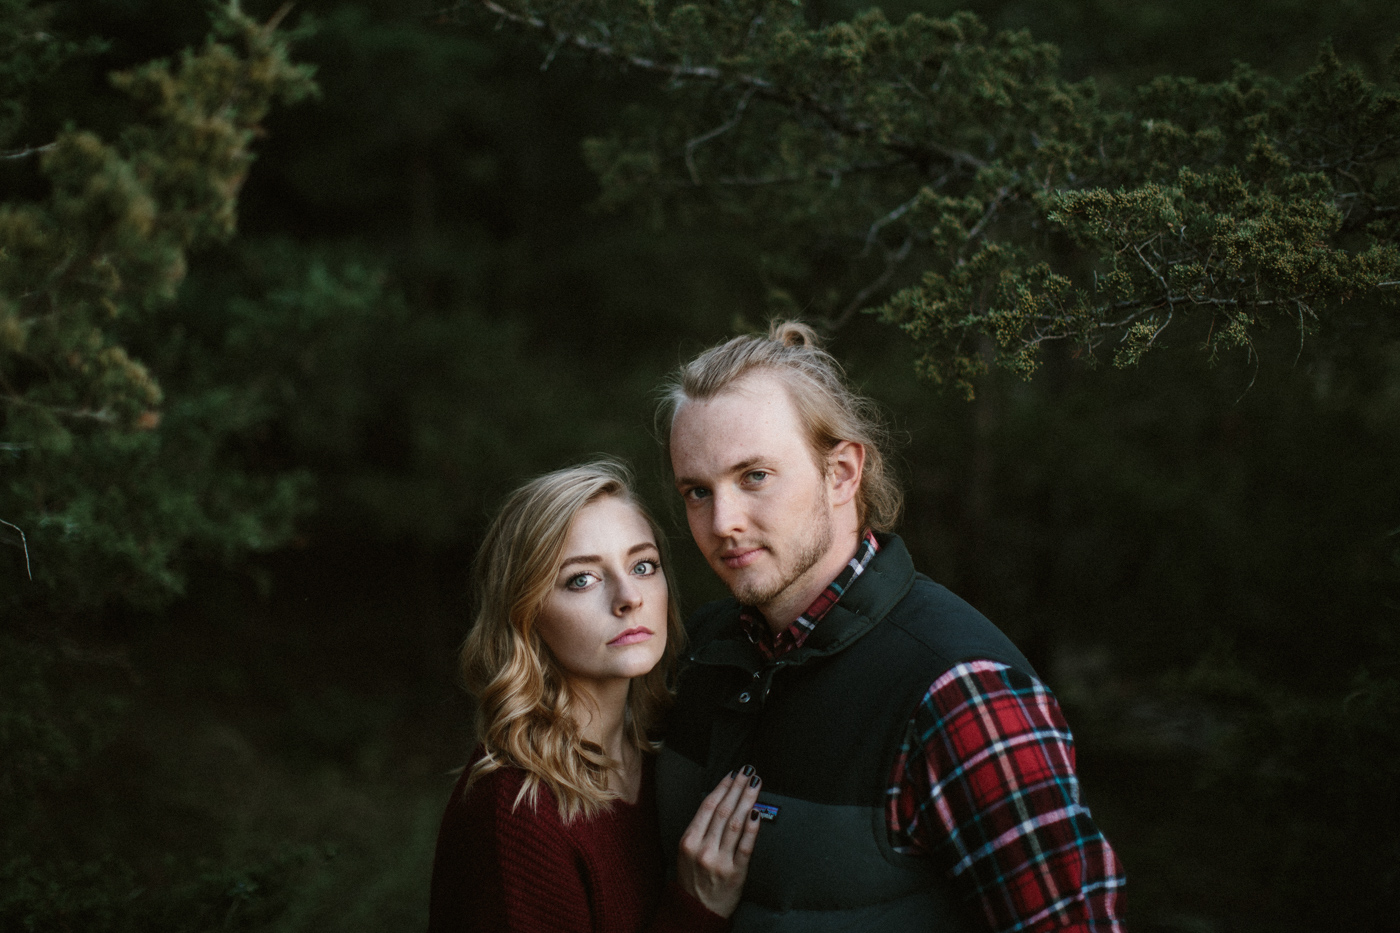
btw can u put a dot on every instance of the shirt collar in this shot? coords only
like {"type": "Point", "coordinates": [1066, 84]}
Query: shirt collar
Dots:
{"type": "Point", "coordinates": [792, 637]}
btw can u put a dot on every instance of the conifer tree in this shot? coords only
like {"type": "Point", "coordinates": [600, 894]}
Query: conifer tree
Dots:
{"type": "Point", "coordinates": [105, 481]}
{"type": "Point", "coordinates": [949, 179]}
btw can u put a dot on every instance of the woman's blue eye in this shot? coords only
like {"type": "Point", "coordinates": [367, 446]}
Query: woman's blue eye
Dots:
{"type": "Point", "coordinates": [577, 581]}
{"type": "Point", "coordinates": [646, 568]}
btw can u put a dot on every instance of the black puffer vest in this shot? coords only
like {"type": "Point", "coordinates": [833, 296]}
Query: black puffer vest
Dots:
{"type": "Point", "coordinates": [822, 726]}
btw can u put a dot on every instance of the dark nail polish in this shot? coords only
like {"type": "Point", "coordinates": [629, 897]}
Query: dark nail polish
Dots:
{"type": "Point", "coordinates": [753, 781]}
{"type": "Point", "coordinates": [733, 775]}
{"type": "Point", "coordinates": [753, 815]}
{"type": "Point", "coordinates": [748, 769]}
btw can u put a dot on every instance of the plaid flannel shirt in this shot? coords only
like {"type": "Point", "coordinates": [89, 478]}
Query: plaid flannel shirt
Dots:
{"type": "Point", "coordinates": [984, 784]}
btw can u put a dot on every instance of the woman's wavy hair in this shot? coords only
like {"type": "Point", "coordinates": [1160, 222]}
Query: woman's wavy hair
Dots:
{"type": "Point", "coordinates": [523, 700]}
{"type": "Point", "coordinates": [830, 410]}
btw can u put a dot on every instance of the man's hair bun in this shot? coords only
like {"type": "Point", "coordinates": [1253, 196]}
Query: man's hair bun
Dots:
{"type": "Point", "coordinates": [794, 334]}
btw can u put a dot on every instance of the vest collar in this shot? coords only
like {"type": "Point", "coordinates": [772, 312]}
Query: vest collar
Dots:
{"type": "Point", "coordinates": [873, 594]}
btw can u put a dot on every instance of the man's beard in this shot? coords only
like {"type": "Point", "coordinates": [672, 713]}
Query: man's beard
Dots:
{"type": "Point", "coordinates": [814, 548]}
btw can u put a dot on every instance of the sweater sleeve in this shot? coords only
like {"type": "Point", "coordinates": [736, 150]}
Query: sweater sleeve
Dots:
{"type": "Point", "coordinates": [502, 867]}
{"type": "Point", "coordinates": [681, 913]}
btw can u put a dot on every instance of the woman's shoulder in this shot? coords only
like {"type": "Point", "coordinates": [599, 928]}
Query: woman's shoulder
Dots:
{"type": "Point", "coordinates": [500, 794]}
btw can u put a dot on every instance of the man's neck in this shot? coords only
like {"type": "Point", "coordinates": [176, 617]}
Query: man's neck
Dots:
{"type": "Point", "coordinates": [784, 609]}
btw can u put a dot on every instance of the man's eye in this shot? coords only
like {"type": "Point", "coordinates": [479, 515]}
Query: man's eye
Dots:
{"type": "Point", "coordinates": [646, 568]}
{"type": "Point", "coordinates": [756, 476]}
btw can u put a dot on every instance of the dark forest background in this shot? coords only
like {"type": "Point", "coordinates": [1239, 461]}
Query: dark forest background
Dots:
{"type": "Point", "coordinates": [230, 605]}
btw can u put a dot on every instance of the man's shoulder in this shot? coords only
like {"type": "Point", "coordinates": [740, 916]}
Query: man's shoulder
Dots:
{"type": "Point", "coordinates": [940, 620]}
{"type": "Point", "coordinates": [928, 598]}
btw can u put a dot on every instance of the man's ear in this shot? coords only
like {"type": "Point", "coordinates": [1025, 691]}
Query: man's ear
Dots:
{"type": "Point", "coordinates": [844, 464]}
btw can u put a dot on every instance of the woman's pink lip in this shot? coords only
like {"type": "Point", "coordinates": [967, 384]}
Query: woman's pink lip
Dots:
{"type": "Point", "coordinates": [632, 636]}
{"type": "Point", "coordinates": [737, 559]}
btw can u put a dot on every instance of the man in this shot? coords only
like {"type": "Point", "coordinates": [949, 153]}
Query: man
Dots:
{"type": "Point", "coordinates": [916, 773]}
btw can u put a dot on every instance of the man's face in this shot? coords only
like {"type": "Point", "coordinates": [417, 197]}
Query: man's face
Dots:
{"type": "Point", "coordinates": [757, 503]}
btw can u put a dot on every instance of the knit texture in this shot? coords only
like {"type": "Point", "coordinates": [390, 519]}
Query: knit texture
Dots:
{"type": "Point", "coordinates": [502, 867]}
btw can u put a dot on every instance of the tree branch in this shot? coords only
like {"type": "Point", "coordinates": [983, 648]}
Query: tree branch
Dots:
{"type": "Point", "coordinates": [835, 174]}
{"type": "Point", "coordinates": [892, 261]}
{"type": "Point", "coordinates": [24, 154]}
{"type": "Point", "coordinates": [718, 131]}
{"type": "Point", "coordinates": [604, 49]}
{"type": "Point", "coordinates": [103, 415]}
{"type": "Point", "coordinates": [909, 149]}
{"type": "Point", "coordinates": [873, 233]}
{"type": "Point", "coordinates": [24, 544]}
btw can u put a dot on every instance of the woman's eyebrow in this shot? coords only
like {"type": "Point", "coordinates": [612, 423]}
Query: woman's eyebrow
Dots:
{"type": "Point", "coordinates": [595, 559]}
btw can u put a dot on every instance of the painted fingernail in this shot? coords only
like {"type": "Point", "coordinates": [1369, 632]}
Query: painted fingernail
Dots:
{"type": "Point", "coordinates": [753, 781]}
{"type": "Point", "coordinates": [753, 815]}
{"type": "Point", "coordinates": [733, 774]}
{"type": "Point", "coordinates": [748, 769]}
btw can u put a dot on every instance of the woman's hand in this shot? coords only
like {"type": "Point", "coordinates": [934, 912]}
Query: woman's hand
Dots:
{"type": "Point", "coordinates": [715, 850]}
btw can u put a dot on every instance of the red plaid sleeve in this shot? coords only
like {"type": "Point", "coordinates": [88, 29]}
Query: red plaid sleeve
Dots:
{"type": "Point", "coordinates": [985, 785]}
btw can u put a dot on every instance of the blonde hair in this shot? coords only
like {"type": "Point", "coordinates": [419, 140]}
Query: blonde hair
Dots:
{"type": "Point", "coordinates": [830, 410]}
{"type": "Point", "coordinates": [523, 700]}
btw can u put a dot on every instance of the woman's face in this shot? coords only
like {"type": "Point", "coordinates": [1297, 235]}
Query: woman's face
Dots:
{"type": "Point", "coordinates": [605, 616]}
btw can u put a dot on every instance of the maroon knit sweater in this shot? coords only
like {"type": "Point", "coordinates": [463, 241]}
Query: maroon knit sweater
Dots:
{"type": "Point", "coordinates": [500, 867]}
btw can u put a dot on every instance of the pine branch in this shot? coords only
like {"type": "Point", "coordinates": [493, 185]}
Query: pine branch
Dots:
{"type": "Point", "coordinates": [910, 150]}
{"type": "Point", "coordinates": [24, 544]}
{"type": "Point", "coordinates": [26, 152]}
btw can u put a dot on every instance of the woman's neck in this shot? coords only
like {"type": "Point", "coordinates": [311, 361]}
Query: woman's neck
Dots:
{"type": "Point", "coordinates": [601, 713]}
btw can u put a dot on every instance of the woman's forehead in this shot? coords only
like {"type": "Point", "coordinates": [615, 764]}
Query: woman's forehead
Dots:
{"type": "Point", "coordinates": [610, 524]}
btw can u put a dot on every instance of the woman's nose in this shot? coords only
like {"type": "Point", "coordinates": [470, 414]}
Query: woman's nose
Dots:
{"type": "Point", "coordinates": [627, 597]}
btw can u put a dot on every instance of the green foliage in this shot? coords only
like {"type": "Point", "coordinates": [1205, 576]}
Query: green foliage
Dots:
{"type": "Point", "coordinates": [1127, 42]}
{"type": "Point", "coordinates": [996, 206]}
{"type": "Point", "coordinates": [419, 310]}
{"type": "Point", "coordinates": [51, 724]}
{"type": "Point", "coordinates": [29, 55]}
{"type": "Point", "coordinates": [110, 480]}
{"type": "Point", "coordinates": [1194, 546]}
{"type": "Point", "coordinates": [108, 895]}
{"type": "Point", "coordinates": [113, 825]}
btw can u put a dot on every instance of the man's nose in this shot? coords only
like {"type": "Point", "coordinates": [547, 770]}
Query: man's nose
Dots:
{"type": "Point", "coordinates": [726, 516]}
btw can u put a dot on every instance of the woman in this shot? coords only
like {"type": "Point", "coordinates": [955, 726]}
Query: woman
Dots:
{"type": "Point", "coordinates": [552, 826]}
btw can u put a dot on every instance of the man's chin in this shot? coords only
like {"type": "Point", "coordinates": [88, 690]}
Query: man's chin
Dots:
{"type": "Point", "coordinates": [749, 591]}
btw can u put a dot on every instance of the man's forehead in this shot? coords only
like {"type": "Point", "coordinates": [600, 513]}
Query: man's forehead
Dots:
{"type": "Point", "coordinates": [755, 390]}
{"type": "Point", "coordinates": [755, 399]}
{"type": "Point", "coordinates": [750, 419]}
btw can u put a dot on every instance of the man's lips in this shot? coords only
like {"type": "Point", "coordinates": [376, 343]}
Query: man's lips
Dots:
{"type": "Point", "coordinates": [632, 636]}
{"type": "Point", "coordinates": [737, 558]}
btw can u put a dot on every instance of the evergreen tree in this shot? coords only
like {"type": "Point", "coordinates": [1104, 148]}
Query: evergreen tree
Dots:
{"type": "Point", "coordinates": [109, 482]}
{"type": "Point", "coordinates": [995, 206]}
